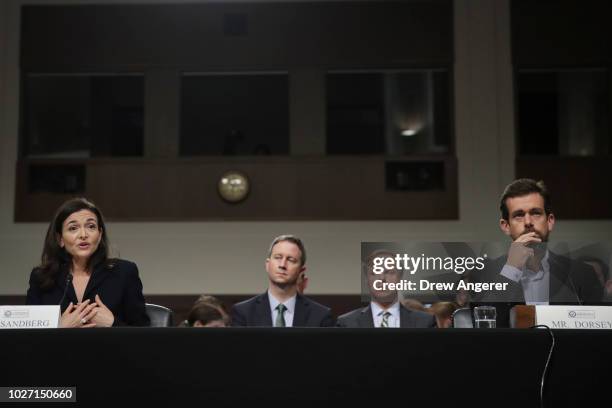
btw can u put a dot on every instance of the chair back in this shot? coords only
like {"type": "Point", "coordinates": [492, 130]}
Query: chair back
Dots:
{"type": "Point", "coordinates": [160, 316]}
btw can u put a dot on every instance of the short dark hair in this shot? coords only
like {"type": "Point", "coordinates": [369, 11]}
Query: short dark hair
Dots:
{"type": "Point", "coordinates": [520, 188]}
{"type": "Point", "coordinates": [294, 240]}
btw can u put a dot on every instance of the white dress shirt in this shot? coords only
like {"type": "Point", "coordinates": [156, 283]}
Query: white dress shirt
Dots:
{"type": "Point", "coordinates": [378, 311]}
{"type": "Point", "coordinates": [536, 284]}
{"type": "Point", "coordinates": [289, 311]}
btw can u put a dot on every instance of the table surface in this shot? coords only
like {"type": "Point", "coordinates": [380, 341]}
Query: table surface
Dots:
{"type": "Point", "coordinates": [463, 367]}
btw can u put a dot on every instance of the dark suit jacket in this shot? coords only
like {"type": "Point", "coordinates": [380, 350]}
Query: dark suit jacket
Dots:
{"type": "Point", "coordinates": [117, 283]}
{"type": "Point", "coordinates": [362, 317]}
{"type": "Point", "coordinates": [571, 282]}
{"type": "Point", "coordinates": [256, 312]}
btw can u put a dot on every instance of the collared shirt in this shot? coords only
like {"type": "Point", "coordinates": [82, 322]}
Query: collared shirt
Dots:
{"type": "Point", "coordinates": [289, 311]}
{"type": "Point", "coordinates": [536, 284]}
{"type": "Point", "coordinates": [378, 311]}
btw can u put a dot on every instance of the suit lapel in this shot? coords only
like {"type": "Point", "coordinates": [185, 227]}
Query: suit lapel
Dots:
{"type": "Point", "coordinates": [556, 283]}
{"type": "Point", "coordinates": [405, 317]}
{"type": "Point", "coordinates": [302, 311]}
{"type": "Point", "coordinates": [365, 319]}
{"type": "Point", "coordinates": [99, 275]}
{"type": "Point", "coordinates": [561, 288]}
{"type": "Point", "coordinates": [263, 313]}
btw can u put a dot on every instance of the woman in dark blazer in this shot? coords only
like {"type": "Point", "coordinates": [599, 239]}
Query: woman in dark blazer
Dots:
{"type": "Point", "coordinates": [77, 274]}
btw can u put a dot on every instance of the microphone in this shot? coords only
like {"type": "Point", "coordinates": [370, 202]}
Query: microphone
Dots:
{"type": "Point", "coordinates": [68, 282]}
{"type": "Point", "coordinates": [569, 277]}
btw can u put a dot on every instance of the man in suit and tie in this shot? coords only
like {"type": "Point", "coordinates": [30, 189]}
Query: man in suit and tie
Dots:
{"type": "Point", "coordinates": [384, 309]}
{"type": "Point", "coordinates": [282, 305]}
{"type": "Point", "coordinates": [532, 273]}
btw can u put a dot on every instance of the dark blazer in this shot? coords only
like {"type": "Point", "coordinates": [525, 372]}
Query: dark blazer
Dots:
{"type": "Point", "coordinates": [571, 282]}
{"type": "Point", "coordinates": [362, 317]}
{"type": "Point", "coordinates": [117, 283]}
{"type": "Point", "coordinates": [256, 312]}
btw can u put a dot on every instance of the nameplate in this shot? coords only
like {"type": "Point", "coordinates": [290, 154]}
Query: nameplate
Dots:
{"type": "Point", "coordinates": [574, 317]}
{"type": "Point", "coordinates": [29, 317]}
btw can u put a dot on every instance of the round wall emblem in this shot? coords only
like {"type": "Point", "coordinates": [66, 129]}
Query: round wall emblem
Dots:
{"type": "Point", "coordinates": [233, 186]}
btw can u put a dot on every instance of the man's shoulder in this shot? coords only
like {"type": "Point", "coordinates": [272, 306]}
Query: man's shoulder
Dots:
{"type": "Point", "coordinates": [249, 302]}
{"type": "Point", "coordinates": [313, 305]}
{"type": "Point", "coordinates": [561, 265]}
{"type": "Point", "coordinates": [564, 261]}
{"type": "Point", "coordinates": [352, 315]}
{"type": "Point", "coordinates": [417, 314]}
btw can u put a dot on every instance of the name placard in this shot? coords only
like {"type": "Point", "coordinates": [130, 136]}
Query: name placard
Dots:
{"type": "Point", "coordinates": [574, 317]}
{"type": "Point", "coordinates": [29, 317]}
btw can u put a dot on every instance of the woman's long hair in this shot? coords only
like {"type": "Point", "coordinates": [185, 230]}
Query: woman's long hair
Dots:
{"type": "Point", "coordinates": [54, 257]}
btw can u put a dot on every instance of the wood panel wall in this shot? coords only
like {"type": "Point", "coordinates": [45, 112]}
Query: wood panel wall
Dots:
{"type": "Point", "coordinates": [282, 188]}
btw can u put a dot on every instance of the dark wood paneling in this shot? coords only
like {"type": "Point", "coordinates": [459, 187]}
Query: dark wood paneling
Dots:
{"type": "Point", "coordinates": [282, 188]}
{"type": "Point", "coordinates": [279, 35]}
{"type": "Point", "coordinates": [579, 186]}
{"type": "Point", "coordinates": [553, 33]}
